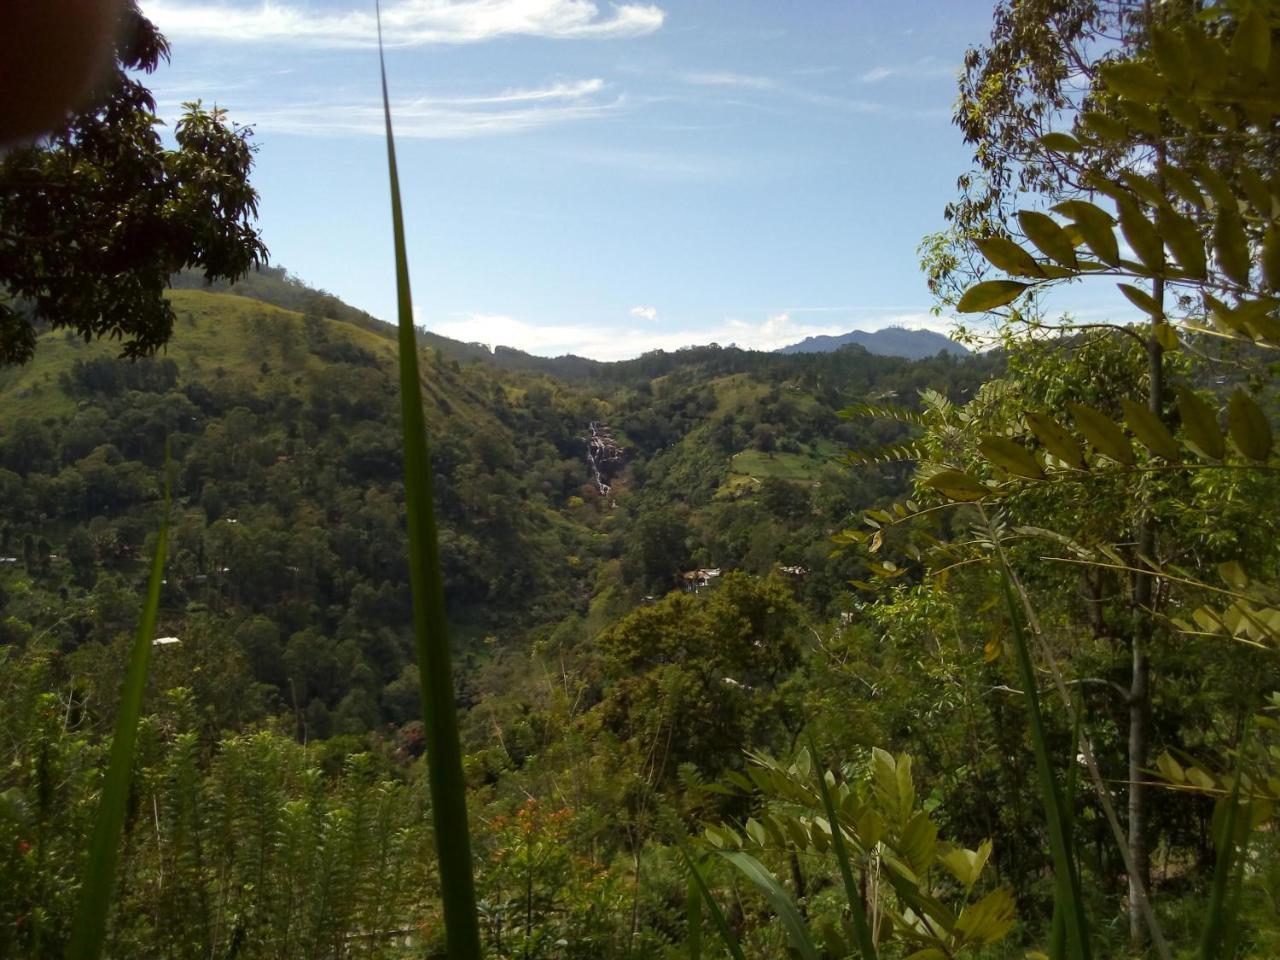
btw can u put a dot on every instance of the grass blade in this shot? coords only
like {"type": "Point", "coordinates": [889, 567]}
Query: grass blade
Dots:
{"type": "Point", "coordinates": [1058, 932]}
{"type": "Point", "coordinates": [792, 922]}
{"type": "Point", "coordinates": [717, 915]}
{"type": "Point", "coordinates": [435, 672]}
{"type": "Point", "coordinates": [693, 903]}
{"type": "Point", "coordinates": [1216, 926]}
{"type": "Point", "coordinates": [857, 908]}
{"type": "Point", "coordinates": [89, 929]}
{"type": "Point", "coordinates": [1068, 898]}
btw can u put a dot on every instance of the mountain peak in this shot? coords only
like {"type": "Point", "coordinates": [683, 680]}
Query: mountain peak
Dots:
{"type": "Point", "coordinates": [889, 342]}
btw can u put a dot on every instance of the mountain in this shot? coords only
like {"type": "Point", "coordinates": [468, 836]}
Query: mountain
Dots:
{"type": "Point", "coordinates": [889, 342]}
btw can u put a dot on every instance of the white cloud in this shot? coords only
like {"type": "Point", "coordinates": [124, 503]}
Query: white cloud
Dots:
{"type": "Point", "coordinates": [508, 111]}
{"type": "Point", "coordinates": [924, 67]}
{"type": "Point", "coordinates": [602, 342]}
{"type": "Point", "coordinates": [645, 313]}
{"type": "Point", "coordinates": [725, 78]}
{"type": "Point", "coordinates": [405, 23]}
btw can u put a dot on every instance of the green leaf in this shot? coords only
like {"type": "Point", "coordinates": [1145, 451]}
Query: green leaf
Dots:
{"type": "Point", "coordinates": [955, 485]}
{"type": "Point", "coordinates": [1006, 255]}
{"type": "Point", "coordinates": [792, 922]}
{"type": "Point", "coordinates": [857, 905]}
{"type": "Point", "coordinates": [1011, 456]}
{"type": "Point", "coordinates": [693, 910]}
{"type": "Point", "coordinates": [918, 845]}
{"type": "Point", "coordinates": [1142, 236]}
{"type": "Point", "coordinates": [1069, 898]}
{"type": "Point", "coordinates": [1149, 430]}
{"type": "Point", "coordinates": [1056, 439]}
{"type": "Point", "coordinates": [1141, 117]}
{"type": "Point", "coordinates": [989, 295]}
{"type": "Point", "coordinates": [1271, 257]}
{"type": "Point", "coordinates": [1047, 234]}
{"type": "Point", "coordinates": [1218, 916]}
{"type": "Point", "coordinates": [430, 626]}
{"type": "Point", "coordinates": [1230, 244]}
{"type": "Point", "coordinates": [1184, 186]}
{"type": "Point", "coordinates": [1184, 239]}
{"type": "Point", "coordinates": [1105, 128]}
{"type": "Point", "coordinates": [1251, 43]}
{"type": "Point", "coordinates": [1216, 184]}
{"type": "Point", "coordinates": [1060, 142]}
{"type": "Point", "coordinates": [1135, 81]}
{"type": "Point", "coordinates": [1103, 432]}
{"type": "Point", "coordinates": [967, 865]}
{"type": "Point", "coordinates": [1200, 424]}
{"type": "Point", "coordinates": [1095, 225]}
{"type": "Point", "coordinates": [1143, 186]}
{"type": "Point", "coordinates": [988, 920]}
{"type": "Point", "coordinates": [717, 915]}
{"type": "Point", "coordinates": [1141, 299]}
{"type": "Point", "coordinates": [1249, 426]}
{"type": "Point", "coordinates": [89, 929]}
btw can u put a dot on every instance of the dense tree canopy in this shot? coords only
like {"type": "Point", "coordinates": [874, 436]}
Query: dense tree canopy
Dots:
{"type": "Point", "coordinates": [96, 217]}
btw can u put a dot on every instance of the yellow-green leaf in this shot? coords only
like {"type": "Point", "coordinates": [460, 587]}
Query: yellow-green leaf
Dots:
{"type": "Point", "coordinates": [1184, 239]}
{"type": "Point", "coordinates": [1095, 225]}
{"type": "Point", "coordinates": [1142, 235]}
{"type": "Point", "coordinates": [1106, 128]}
{"type": "Point", "coordinates": [1249, 426]}
{"type": "Point", "coordinates": [1200, 425]}
{"type": "Point", "coordinates": [1135, 81]}
{"type": "Point", "coordinates": [1184, 186]}
{"type": "Point", "coordinates": [1011, 456]}
{"type": "Point", "coordinates": [1056, 439]}
{"type": "Point", "coordinates": [989, 295]}
{"type": "Point", "coordinates": [1271, 257]}
{"type": "Point", "coordinates": [1009, 257]}
{"type": "Point", "coordinates": [1060, 142]}
{"type": "Point", "coordinates": [1141, 299]}
{"type": "Point", "coordinates": [1165, 335]}
{"type": "Point", "coordinates": [1149, 430]}
{"type": "Point", "coordinates": [1251, 43]}
{"type": "Point", "coordinates": [1101, 431]}
{"type": "Point", "coordinates": [1048, 235]}
{"type": "Point", "coordinates": [1230, 245]}
{"type": "Point", "coordinates": [988, 920]}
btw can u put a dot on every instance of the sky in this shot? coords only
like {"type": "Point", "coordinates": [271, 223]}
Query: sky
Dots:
{"type": "Point", "coordinates": [598, 178]}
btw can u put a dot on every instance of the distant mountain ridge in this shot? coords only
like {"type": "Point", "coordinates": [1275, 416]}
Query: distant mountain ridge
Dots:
{"type": "Point", "coordinates": [888, 342]}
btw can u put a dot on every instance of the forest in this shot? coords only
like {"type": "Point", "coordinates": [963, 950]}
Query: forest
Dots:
{"type": "Point", "coordinates": [749, 654]}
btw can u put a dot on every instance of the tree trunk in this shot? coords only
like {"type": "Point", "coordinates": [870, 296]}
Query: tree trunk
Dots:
{"type": "Point", "coordinates": [1140, 681]}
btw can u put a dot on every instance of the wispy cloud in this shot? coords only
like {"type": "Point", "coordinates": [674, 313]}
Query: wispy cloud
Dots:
{"type": "Point", "coordinates": [724, 78]}
{"type": "Point", "coordinates": [924, 67]}
{"type": "Point", "coordinates": [405, 23]}
{"type": "Point", "coordinates": [645, 313]}
{"type": "Point", "coordinates": [435, 117]}
{"type": "Point", "coordinates": [621, 343]}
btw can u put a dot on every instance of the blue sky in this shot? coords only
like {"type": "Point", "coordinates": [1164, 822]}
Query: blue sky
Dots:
{"type": "Point", "coordinates": [598, 178]}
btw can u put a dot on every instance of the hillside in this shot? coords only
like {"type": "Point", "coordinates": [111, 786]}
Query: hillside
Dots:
{"type": "Point", "coordinates": [888, 342]}
{"type": "Point", "coordinates": [286, 479]}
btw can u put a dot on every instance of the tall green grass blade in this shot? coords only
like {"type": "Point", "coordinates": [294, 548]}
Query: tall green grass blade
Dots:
{"type": "Point", "coordinates": [1058, 931]}
{"type": "Point", "coordinates": [89, 929]}
{"type": "Point", "coordinates": [1218, 929]}
{"type": "Point", "coordinates": [792, 922]}
{"type": "Point", "coordinates": [717, 915]}
{"type": "Point", "coordinates": [444, 752]}
{"type": "Point", "coordinates": [693, 904]}
{"type": "Point", "coordinates": [1068, 897]}
{"type": "Point", "coordinates": [857, 908]}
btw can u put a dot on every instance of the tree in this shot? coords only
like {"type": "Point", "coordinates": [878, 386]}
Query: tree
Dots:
{"type": "Point", "coordinates": [96, 217]}
{"type": "Point", "coordinates": [1187, 120]}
